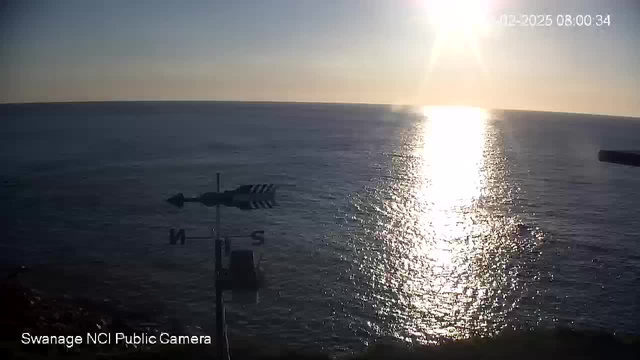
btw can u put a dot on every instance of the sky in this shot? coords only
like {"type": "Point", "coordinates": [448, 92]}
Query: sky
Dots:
{"type": "Point", "coordinates": [407, 52]}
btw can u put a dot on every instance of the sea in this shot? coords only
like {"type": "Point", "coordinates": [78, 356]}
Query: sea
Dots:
{"type": "Point", "coordinates": [417, 224]}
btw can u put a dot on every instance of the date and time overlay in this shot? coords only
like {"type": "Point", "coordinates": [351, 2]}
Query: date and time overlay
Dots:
{"type": "Point", "coordinates": [553, 20]}
{"type": "Point", "coordinates": [463, 19]}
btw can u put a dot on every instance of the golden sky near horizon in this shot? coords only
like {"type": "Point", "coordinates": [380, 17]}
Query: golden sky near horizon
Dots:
{"type": "Point", "coordinates": [429, 52]}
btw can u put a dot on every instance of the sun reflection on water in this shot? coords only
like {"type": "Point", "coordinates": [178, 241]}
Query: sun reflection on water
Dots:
{"type": "Point", "coordinates": [450, 263]}
{"type": "Point", "coordinates": [452, 177]}
{"type": "Point", "coordinates": [452, 167]}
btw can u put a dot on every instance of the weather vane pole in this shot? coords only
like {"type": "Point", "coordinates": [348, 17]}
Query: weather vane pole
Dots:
{"type": "Point", "coordinates": [221, 333]}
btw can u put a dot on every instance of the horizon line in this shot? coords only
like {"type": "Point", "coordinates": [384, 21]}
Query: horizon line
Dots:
{"type": "Point", "coordinates": [634, 117]}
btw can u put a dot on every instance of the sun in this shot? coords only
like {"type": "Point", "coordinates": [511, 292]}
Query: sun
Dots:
{"type": "Point", "coordinates": [457, 23]}
{"type": "Point", "coordinates": [457, 19]}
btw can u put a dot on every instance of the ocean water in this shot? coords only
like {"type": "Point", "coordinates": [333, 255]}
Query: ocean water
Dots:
{"type": "Point", "coordinates": [419, 224]}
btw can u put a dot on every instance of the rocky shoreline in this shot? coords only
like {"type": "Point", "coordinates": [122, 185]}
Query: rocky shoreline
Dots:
{"type": "Point", "coordinates": [55, 321]}
{"type": "Point", "coordinates": [25, 310]}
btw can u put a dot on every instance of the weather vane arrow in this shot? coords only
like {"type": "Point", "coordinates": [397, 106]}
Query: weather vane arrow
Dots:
{"type": "Point", "coordinates": [245, 197]}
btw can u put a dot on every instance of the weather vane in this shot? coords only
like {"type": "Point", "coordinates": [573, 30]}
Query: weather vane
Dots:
{"type": "Point", "coordinates": [243, 274]}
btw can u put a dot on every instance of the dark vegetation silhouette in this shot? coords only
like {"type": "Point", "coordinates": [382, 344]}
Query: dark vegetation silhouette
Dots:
{"type": "Point", "coordinates": [25, 310]}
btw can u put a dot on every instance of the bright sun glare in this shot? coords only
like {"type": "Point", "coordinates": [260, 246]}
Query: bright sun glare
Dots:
{"type": "Point", "coordinates": [454, 145]}
{"type": "Point", "coordinates": [457, 17]}
{"type": "Point", "coordinates": [457, 23]}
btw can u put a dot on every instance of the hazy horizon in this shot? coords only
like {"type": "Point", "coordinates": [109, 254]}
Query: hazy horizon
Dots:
{"type": "Point", "coordinates": [360, 52]}
{"type": "Point", "coordinates": [310, 103]}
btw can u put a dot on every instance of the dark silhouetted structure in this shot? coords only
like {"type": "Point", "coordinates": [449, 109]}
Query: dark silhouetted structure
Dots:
{"type": "Point", "coordinates": [631, 158]}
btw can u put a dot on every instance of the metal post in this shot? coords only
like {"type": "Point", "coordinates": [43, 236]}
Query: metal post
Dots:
{"type": "Point", "coordinates": [218, 241]}
{"type": "Point", "coordinates": [221, 338]}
